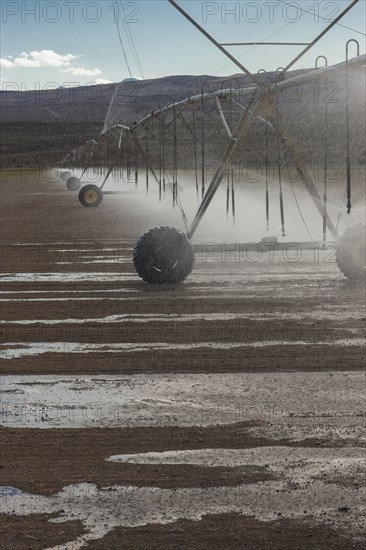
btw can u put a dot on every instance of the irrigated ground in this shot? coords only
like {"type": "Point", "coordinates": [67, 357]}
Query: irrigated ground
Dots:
{"type": "Point", "coordinates": [225, 413]}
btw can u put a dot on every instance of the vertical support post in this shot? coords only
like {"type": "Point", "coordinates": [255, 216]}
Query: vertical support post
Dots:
{"type": "Point", "coordinates": [136, 167]}
{"type": "Point", "coordinates": [227, 194]}
{"type": "Point", "coordinates": [282, 211]}
{"type": "Point", "coordinates": [195, 149]}
{"type": "Point", "coordinates": [147, 159]}
{"type": "Point", "coordinates": [267, 177]}
{"type": "Point", "coordinates": [163, 152]}
{"type": "Point", "coordinates": [348, 160]}
{"type": "Point", "coordinates": [203, 146]}
{"type": "Point", "coordinates": [160, 154]}
{"type": "Point", "coordinates": [129, 160]}
{"type": "Point", "coordinates": [175, 159]}
{"type": "Point", "coordinates": [232, 195]}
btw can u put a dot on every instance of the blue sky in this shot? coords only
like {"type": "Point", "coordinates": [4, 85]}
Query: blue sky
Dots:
{"type": "Point", "coordinates": [76, 42]}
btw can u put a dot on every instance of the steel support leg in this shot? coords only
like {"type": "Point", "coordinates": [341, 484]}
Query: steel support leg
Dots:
{"type": "Point", "coordinates": [293, 153]}
{"type": "Point", "coordinates": [241, 130]}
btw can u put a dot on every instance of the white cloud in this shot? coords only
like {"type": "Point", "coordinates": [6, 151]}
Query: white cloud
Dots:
{"type": "Point", "coordinates": [5, 63]}
{"type": "Point", "coordinates": [79, 71]}
{"type": "Point", "coordinates": [43, 58]}
{"type": "Point", "coordinates": [49, 58]}
{"type": "Point", "coordinates": [102, 81]}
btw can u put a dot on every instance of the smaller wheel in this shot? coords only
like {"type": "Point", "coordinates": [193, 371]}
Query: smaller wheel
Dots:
{"type": "Point", "coordinates": [65, 176]}
{"type": "Point", "coordinates": [90, 196]}
{"type": "Point", "coordinates": [73, 184]}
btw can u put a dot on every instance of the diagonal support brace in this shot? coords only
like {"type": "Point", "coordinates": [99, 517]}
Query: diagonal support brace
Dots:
{"type": "Point", "coordinates": [241, 130]}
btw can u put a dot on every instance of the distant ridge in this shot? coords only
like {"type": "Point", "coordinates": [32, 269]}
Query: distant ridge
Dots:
{"type": "Point", "coordinates": [90, 103]}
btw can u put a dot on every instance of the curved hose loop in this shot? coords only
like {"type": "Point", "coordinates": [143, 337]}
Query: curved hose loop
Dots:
{"type": "Point", "coordinates": [347, 48]}
{"type": "Point", "coordinates": [262, 72]}
{"type": "Point", "coordinates": [272, 86]}
{"type": "Point", "coordinates": [280, 74]}
{"type": "Point", "coordinates": [324, 59]}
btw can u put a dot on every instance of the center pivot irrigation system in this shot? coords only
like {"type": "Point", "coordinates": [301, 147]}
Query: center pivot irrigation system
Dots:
{"type": "Point", "coordinates": [165, 254]}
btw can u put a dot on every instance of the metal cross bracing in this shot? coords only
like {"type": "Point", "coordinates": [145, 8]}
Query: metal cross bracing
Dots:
{"type": "Point", "coordinates": [254, 79]}
{"type": "Point", "coordinates": [260, 99]}
{"type": "Point", "coordinates": [263, 105]}
{"type": "Point", "coordinates": [156, 133]}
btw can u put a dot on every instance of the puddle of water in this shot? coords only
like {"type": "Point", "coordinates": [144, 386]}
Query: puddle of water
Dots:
{"type": "Point", "coordinates": [101, 510]}
{"type": "Point", "coordinates": [6, 491]}
{"type": "Point", "coordinates": [291, 406]}
{"type": "Point", "coordinates": [100, 261]}
{"type": "Point", "coordinates": [137, 318]}
{"type": "Point", "coordinates": [117, 249]}
{"type": "Point", "coordinates": [272, 457]}
{"type": "Point", "coordinates": [67, 277]}
{"type": "Point", "coordinates": [68, 299]}
{"type": "Point", "coordinates": [75, 245]}
{"type": "Point", "coordinates": [15, 350]}
{"type": "Point", "coordinates": [319, 315]}
{"type": "Point", "coordinates": [86, 291]}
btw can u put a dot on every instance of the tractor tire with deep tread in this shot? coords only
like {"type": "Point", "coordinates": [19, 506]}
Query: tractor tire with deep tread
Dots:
{"type": "Point", "coordinates": [351, 253]}
{"type": "Point", "coordinates": [163, 255]}
{"type": "Point", "coordinates": [90, 196]}
{"type": "Point", "coordinates": [73, 184]}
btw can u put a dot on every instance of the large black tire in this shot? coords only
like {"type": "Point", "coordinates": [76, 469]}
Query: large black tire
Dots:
{"type": "Point", "coordinates": [73, 184]}
{"type": "Point", "coordinates": [351, 254]}
{"type": "Point", "coordinates": [163, 255]}
{"type": "Point", "coordinates": [90, 196]}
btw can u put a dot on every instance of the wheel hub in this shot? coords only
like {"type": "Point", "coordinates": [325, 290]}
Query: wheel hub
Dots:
{"type": "Point", "coordinates": [91, 196]}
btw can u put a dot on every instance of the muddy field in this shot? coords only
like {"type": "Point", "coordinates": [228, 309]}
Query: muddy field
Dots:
{"type": "Point", "coordinates": [227, 412]}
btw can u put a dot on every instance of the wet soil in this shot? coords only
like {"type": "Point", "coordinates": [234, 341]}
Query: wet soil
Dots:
{"type": "Point", "coordinates": [79, 456]}
{"type": "Point", "coordinates": [44, 231]}
{"type": "Point", "coordinates": [35, 532]}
